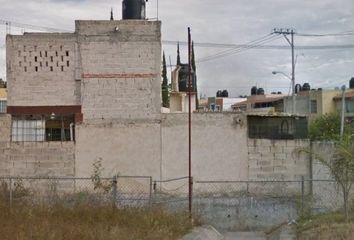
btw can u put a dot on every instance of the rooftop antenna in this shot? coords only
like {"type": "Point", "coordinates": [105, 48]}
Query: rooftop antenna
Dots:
{"type": "Point", "coordinates": [112, 14]}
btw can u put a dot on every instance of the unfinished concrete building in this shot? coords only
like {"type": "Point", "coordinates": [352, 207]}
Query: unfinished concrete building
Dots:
{"type": "Point", "coordinates": [64, 88]}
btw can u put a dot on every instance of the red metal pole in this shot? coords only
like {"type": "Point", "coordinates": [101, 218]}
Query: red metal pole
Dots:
{"type": "Point", "coordinates": [189, 122]}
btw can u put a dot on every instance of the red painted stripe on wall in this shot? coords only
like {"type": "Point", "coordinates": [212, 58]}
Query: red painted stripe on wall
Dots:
{"type": "Point", "coordinates": [119, 75]}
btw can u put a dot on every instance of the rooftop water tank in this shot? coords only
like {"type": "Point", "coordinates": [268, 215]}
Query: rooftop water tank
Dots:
{"type": "Point", "coordinates": [351, 83]}
{"type": "Point", "coordinates": [306, 87]}
{"type": "Point", "coordinates": [254, 90]}
{"type": "Point", "coordinates": [225, 93]}
{"type": "Point", "coordinates": [260, 91]}
{"type": "Point", "coordinates": [298, 88]}
{"type": "Point", "coordinates": [133, 9]}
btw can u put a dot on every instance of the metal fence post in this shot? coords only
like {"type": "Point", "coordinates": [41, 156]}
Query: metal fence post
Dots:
{"type": "Point", "coordinates": [10, 189]}
{"type": "Point", "coordinates": [114, 191]}
{"type": "Point", "coordinates": [302, 193]}
{"type": "Point", "coordinates": [192, 196]}
{"type": "Point", "coordinates": [150, 193]}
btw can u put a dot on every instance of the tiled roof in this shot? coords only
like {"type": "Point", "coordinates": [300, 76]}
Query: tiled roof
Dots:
{"type": "Point", "coordinates": [349, 95]}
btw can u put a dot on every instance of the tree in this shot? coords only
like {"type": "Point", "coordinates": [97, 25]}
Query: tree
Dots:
{"type": "Point", "coordinates": [341, 163]}
{"type": "Point", "coordinates": [327, 128]}
{"type": "Point", "coordinates": [194, 68]}
{"type": "Point", "coordinates": [178, 56]}
{"type": "Point", "coordinates": [164, 85]}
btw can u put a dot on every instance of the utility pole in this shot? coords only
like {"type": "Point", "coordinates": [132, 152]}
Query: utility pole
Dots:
{"type": "Point", "coordinates": [190, 181]}
{"type": "Point", "coordinates": [285, 33]}
{"type": "Point", "coordinates": [343, 112]}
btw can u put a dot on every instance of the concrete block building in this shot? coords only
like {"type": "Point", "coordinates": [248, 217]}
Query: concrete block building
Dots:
{"type": "Point", "coordinates": [97, 89]}
{"type": "Point", "coordinates": [95, 95]}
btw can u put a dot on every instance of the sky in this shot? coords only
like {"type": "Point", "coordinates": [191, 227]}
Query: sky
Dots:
{"type": "Point", "coordinates": [224, 22]}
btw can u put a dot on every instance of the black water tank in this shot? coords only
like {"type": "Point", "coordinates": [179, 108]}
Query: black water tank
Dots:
{"type": "Point", "coordinates": [298, 88]}
{"type": "Point", "coordinates": [280, 93]}
{"type": "Point", "coordinates": [219, 93]}
{"type": "Point", "coordinates": [133, 9]}
{"type": "Point", "coordinates": [260, 91]}
{"type": "Point", "coordinates": [254, 90]}
{"type": "Point", "coordinates": [351, 83]}
{"type": "Point", "coordinates": [306, 87]}
{"type": "Point", "coordinates": [225, 94]}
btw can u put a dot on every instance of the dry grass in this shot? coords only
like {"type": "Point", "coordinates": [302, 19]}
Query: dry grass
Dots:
{"type": "Point", "coordinates": [326, 227]}
{"type": "Point", "coordinates": [86, 223]}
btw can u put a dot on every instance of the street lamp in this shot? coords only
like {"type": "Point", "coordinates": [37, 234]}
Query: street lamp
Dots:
{"type": "Point", "coordinates": [276, 72]}
{"type": "Point", "coordinates": [293, 87]}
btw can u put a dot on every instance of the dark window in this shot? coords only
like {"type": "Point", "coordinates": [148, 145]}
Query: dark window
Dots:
{"type": "Point", "coordinates": [62, 58]}
{"type": "Point", "coordinates": [277, 127]}
{"type": "Point", "coordinates": [25, 69]}
{"type": "Point", "coordinates": [56, 53]}
{"type": "Point", "coordinates": [313, 106]}
{"type": "Point", "coordinates": [67, 63]}
{"type": "Point", "coordinates": [51, 69]}
{"type": "Point", "coordinates": [39, 128]}
{"type": "Point", "coordinates": [51, 58]}
{"type": "Point", "coordinates": [62, 68]}
{"type": "Point", "coordinates": [36, 69]}
{"type": "Point", "coordinates": [40, 53]}
{"type": "Point", "coordinates": [46, 54]}
{"type": "Point", "coordinates": [3, 104]}
{"type": "Point", "coordinates": [35, 59]}
{"type": "Point", "coordinates": [67, 53]}
{"type": "Point", "coordinates": [46, 64]}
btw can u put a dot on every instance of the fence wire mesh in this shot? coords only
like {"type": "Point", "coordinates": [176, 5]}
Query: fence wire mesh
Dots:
{"type": "Point", "coordinates": [172, 194]}
{"type": "Point", "coordinates": [210, 198]}
{"type": "Point", "coordinates": [118, 191]}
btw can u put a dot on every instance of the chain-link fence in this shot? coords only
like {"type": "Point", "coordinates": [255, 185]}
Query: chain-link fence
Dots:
{"type": "Point", "coordinates": [172, 194]}
{"type": "Point", "coordinates": [120, 191]}
{"type": "Point", "coordinates": [221, 203]}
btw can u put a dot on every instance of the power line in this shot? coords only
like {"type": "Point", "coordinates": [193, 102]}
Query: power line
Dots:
{"type": "Point", "coordinates": [265, 47]}
{"type": "Point", "coordinates": [345, 33]}
{"type": "Point", "coordinates": [239, 49]}
{"type": "Point", "coordinates": [10, 24]}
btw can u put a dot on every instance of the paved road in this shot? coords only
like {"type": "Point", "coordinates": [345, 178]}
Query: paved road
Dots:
{"type": "Point", "coordinates": [209, 233]}
{"type": "Point", "coordinates": [245, 236]}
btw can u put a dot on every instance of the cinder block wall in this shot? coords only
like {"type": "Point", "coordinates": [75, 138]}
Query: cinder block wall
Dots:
{"type": "Point", "coordinates": [277, 159]}
{"type": "Point", "coordinates": [121, 69]}
{"type": "Point", "coordinates": [41, 69]}
{"type": "Point", "coordinates": [219, 146]}
{"type": "Point", "coordinates": [34, 158]}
